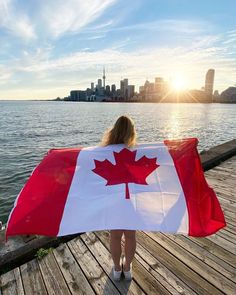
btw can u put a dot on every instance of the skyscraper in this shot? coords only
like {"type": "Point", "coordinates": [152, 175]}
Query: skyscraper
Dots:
{"type": "Point", "coordinates": [158, 86]}
{"type": "Point", "coordinates": [209, 82]}
{"type": "Point", "coordinates": [104, 78]}
{"type": "Point", "coordinates": [108, 90]}
{"type": "Point", "coordinates": [126, 83]}
{"type": "Point", "coordinates": [99, 83]}
{"type": "Point", "coordinates": [131, 89]}
{"type": "Point", "coordinates": [113, 88]}
{"type": "Point", "coordinates": [122, 88]}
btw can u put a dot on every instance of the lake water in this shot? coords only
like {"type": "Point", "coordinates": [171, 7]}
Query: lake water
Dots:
{"type": "Point", "coordinates": [28, 129]}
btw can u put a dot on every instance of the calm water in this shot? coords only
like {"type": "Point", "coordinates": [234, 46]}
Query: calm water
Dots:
{"type": "Point", "coordinates": [29, 129]}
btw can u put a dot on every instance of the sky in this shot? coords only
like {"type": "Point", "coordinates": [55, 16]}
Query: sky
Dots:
{"type": "Point", "coordinates": [49, 47]}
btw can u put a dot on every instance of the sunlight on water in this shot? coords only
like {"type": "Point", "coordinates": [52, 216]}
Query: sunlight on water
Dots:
{"type": "Point", "coordinates": [174, 125]}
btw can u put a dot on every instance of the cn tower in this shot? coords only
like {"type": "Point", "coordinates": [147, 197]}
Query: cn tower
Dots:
{"type": "Point", "coordinates": [104, 78]}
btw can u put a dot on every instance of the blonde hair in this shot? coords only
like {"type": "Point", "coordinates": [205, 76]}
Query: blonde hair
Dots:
{"type": "Point", "coordinates": [123, 131]}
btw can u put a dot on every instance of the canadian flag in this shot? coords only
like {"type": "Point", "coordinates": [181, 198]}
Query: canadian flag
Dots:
{"type": "Point", "coordinates": [151, 187]}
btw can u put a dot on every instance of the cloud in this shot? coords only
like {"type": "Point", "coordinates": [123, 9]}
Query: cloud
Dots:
{"type": "Point", "coordinates": [103, 25]}
{"type": "Point", "coordinates": [230, 38]}
{"type": "Point", "coordinates": [161, 25]}
{"type": "Point", "coordinates": [23, 28]}
{"type": "Point", "coordinates": [71, 16]}
{"type": "Point", "coordinates": [96, 37]}
{"type": "Point", "coordinates": [4, 10]}
{"type": "Point", "coordinates": [15, 22]}
{"type": "Point", "coordinates": [205, 52]}
{"type": "Point", "coordinates": [51, 18]}
{"type": "Point", "coordinates": [78, 69]}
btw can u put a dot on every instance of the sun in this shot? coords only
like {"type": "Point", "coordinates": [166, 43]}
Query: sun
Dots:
{"type": "Point", "coordinates": [178, 83]}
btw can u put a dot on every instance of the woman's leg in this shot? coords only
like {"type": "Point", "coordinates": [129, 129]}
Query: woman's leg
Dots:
{"type": "Point", "coordinates": [115, 247]}
{"type": "Point", "coordinates": [130, 247]}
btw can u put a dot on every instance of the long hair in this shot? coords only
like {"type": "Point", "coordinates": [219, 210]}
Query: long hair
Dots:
{"type": "Point", "coordinates": [123, 131]}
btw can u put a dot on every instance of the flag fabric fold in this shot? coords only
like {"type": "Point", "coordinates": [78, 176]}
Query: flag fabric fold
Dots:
{"type": "Point", "coordinates": [151, 187]}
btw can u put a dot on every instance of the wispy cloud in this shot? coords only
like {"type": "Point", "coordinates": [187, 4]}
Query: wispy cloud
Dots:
{"type": "Point", "coordinates": [62, 17]}
{"type": "Point", "coordinates": [230, 38]}
{"type": "Point", "coordinates": [96, 37]}
{"type": "Point", "coordinates": [161, 25]}
{"type": "Point", "coordinates": [15, 22]}
{"type": "Point", "coordinates": [53, 18]}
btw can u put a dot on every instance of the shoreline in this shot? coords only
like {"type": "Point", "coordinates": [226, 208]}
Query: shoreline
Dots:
{"type": "Point", "coordinates": [121, 101]}
{"type": "Point", "coordinates": [21, 249]}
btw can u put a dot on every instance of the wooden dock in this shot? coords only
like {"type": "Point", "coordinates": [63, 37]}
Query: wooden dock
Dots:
{"type": "Point", "coordinates": [163, 264]}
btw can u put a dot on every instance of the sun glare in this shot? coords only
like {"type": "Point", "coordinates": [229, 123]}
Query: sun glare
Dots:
{"type": "Point", "coordinates": [179, 83]}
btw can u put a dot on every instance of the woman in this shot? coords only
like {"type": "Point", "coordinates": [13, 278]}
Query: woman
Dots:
{"type": "Point", "coordinates": [122, 132]}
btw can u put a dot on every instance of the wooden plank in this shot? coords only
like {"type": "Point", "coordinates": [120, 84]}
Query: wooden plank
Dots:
{"type": "Point", "coordinates": [227, 165]}
{"type": "Point", "coordinates": [224, 195]}
{"type": "Point", "coordinates": [218, 181]}
{"type": "Point", "coordinates": [230, 221]}
{"type": "Point", "coordinates": [211, 275]}
{"type": "Point", "coordinates": [71, 271]}
{"type": "Point", "coordinates": [220, 187]}
{"type": "Point", "coordinates": [225, 171]}
{"type": "Point", "coordinates": [164, 281]}
{"type": "Point", "coordinates": [213, 261]}
{"type": "Point", "coordinates": [226, 191]}
{"type": "Point", "coordinates": [52, 276]}
{"type": "Point", "coordinates": [32, 278]}
{"type": "Point", "coordinates": [157, 269]}
{"type": "Point", "coordinates": [217, 250]}
{"type": "Point", "coordinates": [226, 203]}
{"type": "Point", "coordinates": [225, 184]}
{"type": "Point", "coordinates": [103, 256]}
{"type": "Point", "coordinates": [231, 215]}
{"type": "Point", "coordinates": [223, 243]}
{"type": "Point", "coordinates": [230, 229]}
{"type": "Point", "coordinates": [156, 275]}
{"type": "Point", "coordinates": [146, 281]}
{"type": "Point", "coordinates": [18, 280]}
{"type": "Point", "coordinates": [11, 283]}
{"type": "Point", "coordinates": [230, 224]}
{"type": "Point", "coordinates": [221, 177]}
{"type": "Point", "coordinates": [92, 270]}
{"type": "Point", "coordinates": [180, 269]}
{"type": "Point", "coordinates": [227, 235]}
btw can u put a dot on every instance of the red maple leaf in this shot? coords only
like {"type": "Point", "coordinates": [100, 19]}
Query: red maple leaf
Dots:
{"type": "Point", "coordinates": [126, 170]}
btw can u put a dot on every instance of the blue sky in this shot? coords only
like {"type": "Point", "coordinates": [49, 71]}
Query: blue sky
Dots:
{"type": "Point", "coordinates": [49, 47]}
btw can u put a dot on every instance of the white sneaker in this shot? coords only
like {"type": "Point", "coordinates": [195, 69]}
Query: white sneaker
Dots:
{"type": "Point", "coordinates": [116, 274]}
{"type": "Point", "coordinates": [128, 274]}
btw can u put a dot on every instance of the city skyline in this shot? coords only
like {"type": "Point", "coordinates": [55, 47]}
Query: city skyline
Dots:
{"type": "Point", "coordinates": [159, 90]}
{"type": "Point", "coordinates": [48, 48]}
